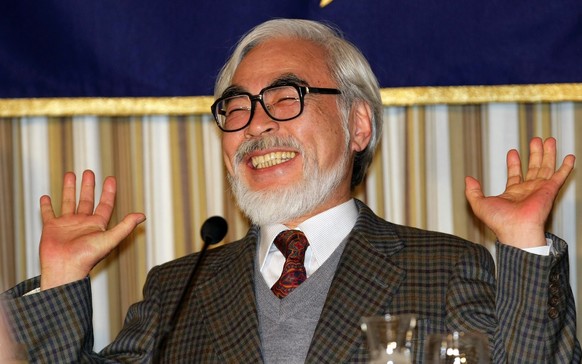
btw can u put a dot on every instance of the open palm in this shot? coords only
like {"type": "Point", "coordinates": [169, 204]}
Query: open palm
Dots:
{"type": "Point", "coordinates": [74, 242]}
{"type": "Point", "coordinates": [518, 215]}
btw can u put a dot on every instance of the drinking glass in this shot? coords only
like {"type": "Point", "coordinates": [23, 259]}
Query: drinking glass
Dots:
{"type": "Point", "coordinates": [457, 348]}
{"type": "Point", "coordinates": [389, 338]}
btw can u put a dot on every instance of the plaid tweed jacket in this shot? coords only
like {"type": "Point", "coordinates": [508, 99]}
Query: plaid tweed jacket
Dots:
{"type": "Point", "coordinates": [447, 282]}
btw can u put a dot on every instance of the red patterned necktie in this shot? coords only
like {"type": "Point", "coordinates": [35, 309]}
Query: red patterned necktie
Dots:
{"type": "Point", "coordinates": [292, 243]}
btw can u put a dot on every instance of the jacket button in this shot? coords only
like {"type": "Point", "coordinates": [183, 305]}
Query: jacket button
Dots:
{"type": "Point", "coordinates": [554, 289]}
{"type": "Point", "coordinates": [553, 312]}
{"type": "Point", "coordinates": [554, 300]}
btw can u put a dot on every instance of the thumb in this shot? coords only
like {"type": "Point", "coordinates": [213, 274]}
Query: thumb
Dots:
{"type": "Point", "coordinates": [124, 227]}
{"type": "Point", "coordinates": [473, 191]}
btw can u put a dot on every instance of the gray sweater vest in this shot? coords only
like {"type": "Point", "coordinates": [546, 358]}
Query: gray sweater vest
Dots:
{"type": "Point", "coordinates": [287, 325]}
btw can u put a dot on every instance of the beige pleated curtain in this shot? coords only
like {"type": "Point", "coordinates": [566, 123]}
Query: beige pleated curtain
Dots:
{"type": "Point", "coordinates": [170, 167]}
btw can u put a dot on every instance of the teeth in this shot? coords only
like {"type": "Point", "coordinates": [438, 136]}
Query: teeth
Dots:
{"type": "Point", "coordinates": [271, 159]}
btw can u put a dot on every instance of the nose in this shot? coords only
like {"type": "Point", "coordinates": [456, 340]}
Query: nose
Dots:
{"type": "Point", "coordinates": [261, 122]}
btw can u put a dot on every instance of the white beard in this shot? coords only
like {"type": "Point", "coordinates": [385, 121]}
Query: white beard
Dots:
{"type": "Point", "coordinates": [283, 204]}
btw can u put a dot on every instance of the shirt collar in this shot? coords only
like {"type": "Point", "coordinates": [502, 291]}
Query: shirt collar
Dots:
{"type": "Point", "coordinates": [324, 231]}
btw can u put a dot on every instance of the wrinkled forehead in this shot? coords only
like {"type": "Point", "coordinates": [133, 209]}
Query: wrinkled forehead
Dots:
{"type": "Point", "coordinates": [275, 59]}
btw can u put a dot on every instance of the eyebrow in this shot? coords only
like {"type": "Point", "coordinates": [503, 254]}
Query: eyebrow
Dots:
{"type": "Point", "coordinates": [282, 80]}
{"type": "Point", "coordinates": [288, 79]}
{"type": "Point", "coordinates": [233, 90]}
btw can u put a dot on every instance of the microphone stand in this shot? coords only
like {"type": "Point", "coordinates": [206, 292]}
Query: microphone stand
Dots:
{"type": "Point", "coordinates": [213, 231]}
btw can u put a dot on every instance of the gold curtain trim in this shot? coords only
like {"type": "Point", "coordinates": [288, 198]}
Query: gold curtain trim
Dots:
{"type": "Point", "coordinates": [404, 96]}
{"type": "Point", "coordinates": [111, 106]}
{"type": "Point", "coordinates": [400, 96]}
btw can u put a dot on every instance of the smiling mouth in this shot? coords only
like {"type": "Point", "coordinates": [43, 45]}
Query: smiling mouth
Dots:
{"type": "Point", "coordinates": [271, 159]}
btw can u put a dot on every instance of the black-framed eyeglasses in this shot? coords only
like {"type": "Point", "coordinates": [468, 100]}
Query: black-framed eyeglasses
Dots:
{"type": "Point", "coordinates": [281, 103]}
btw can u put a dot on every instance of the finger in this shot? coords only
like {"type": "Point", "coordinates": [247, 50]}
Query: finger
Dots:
{"type": "Point", "coordinates": [536, 151]}
{"type": "Point", "coordinates": [107, 201]}
{"type": "Point", "coordinates": [514, 173]}
{"type": "Point", "coordinates": [46, 209]}
{"type": "Point", "coordinates": [69, 192]}
{"type": "Point", "coordinates": [87, 195]}
{"type": "Point", "coordinates": [549, 159]}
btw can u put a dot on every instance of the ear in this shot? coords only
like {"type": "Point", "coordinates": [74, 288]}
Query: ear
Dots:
{"type": "Point", "coordinates": [360, 126]}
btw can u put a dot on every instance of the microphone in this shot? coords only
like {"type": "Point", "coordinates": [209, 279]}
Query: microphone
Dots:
{"type": "Point", "coordinates": [213, 231]}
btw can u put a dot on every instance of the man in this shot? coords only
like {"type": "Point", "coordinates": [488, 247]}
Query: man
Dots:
{"type": "Point", "coordinates": [301, 115]}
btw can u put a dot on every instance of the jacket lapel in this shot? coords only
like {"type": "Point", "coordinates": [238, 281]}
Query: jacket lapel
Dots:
{"type": "Point", "coordinates": [228, 303]}
{"type": "Point", "coordinates": [364, 284]}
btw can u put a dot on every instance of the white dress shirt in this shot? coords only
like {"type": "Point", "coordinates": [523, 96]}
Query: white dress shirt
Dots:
{"type": "Point", "coordinates": [324, 232]}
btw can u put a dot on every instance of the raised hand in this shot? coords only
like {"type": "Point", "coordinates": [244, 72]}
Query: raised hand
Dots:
{"type": "Point", "coordinates": [74, 242]}
{"type": "Point", "coordinates": [518, 215]}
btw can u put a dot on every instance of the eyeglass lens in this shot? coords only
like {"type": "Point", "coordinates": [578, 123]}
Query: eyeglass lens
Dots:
{"type": "Point", "coordinates": [281, 103]}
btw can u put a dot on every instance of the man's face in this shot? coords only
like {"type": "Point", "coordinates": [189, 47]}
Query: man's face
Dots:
{"type": "Point", "coordinates": [318, 138]}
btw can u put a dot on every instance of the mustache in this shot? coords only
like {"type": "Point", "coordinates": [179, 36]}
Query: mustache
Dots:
{"type": "Point", "coordinates": [253, 145]}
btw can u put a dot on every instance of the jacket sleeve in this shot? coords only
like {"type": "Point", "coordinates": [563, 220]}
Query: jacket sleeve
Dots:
{"type": "Point", "coordinates": [535, 306]}
{"type": "Point", "coordinates": [55, 325]}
